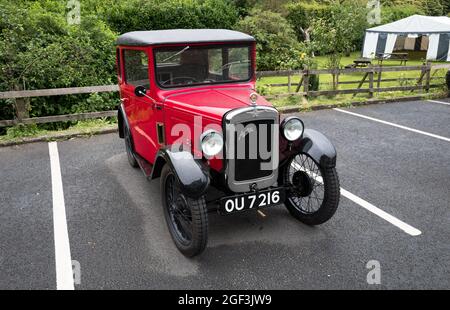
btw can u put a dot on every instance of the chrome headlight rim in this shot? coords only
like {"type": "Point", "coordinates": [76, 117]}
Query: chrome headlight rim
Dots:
{"type": "Point", "coordinates": [286, 122]}
{"type": "Point", "coordinates": [208, 134]}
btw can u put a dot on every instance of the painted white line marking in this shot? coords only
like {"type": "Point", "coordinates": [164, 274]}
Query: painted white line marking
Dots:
{"type": "Point", "coordinates": [384, 215]}
{"type": "Point", "coordinates": [394, 125]}
{"type": "Point", "coordinates": [370, 207]}
{"type": "Point", "coordinates": [440, 102]}
{"type": "Point", "coordinates": [64, 275]}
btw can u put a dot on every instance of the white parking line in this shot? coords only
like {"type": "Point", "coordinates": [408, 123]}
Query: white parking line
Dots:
{"type": "Point", "coordinates": [384, 215]}
{"type": "Point", "coordinates": [370, 207]}
{"type": "Point", "coordinates": [394, 125]}
{"type": "Point", "coordinates": [440, 102]}
{"type": "Point", "coordinates": [64, 275]}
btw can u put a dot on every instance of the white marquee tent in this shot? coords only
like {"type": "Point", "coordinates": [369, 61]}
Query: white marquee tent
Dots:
{"type": "Point", "coordinates": [415, 33]}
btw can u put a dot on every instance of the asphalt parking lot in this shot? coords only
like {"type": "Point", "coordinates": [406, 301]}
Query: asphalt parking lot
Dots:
{"type": "Point", "coordinates": [394, 166]}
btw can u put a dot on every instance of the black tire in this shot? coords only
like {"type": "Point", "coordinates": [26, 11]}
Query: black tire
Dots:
{"type": "Point", "coordinates": [129, 146]}
{"type": "Point", "coordinates": [303, 193]}
{"type": "Point", "coordinates": [186, 218]}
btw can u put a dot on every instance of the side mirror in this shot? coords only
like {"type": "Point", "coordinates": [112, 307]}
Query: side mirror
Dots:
{"type": "Point", "coordinates": [140, 91]}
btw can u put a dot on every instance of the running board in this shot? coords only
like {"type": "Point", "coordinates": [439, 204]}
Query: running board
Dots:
{"type": "Point", "coordinates": [146, 167]}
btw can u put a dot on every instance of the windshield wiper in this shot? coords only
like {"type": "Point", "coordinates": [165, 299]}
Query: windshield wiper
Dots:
{"type": "Point", "coordinates": [176, 54]}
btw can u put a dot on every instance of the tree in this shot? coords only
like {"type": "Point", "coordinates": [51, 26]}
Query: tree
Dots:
{"type": "Point", "coordinates": [434, 7]}
{"type": "Point", "coordinates": [301, 15]}
{"type": "Point", "coordinates": [337, 35]}
{"type": "Point", "coordinates": [394, 13]}
{"type": "Point", "coordinates": [277, 46]}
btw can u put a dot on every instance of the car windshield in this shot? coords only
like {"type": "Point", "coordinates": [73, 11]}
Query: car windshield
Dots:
{"type": "Point", "coordinates": [198, 65]}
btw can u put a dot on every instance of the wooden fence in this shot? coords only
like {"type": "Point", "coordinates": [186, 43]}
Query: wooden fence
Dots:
{"type": "Point", "coordinates": [372, 77]}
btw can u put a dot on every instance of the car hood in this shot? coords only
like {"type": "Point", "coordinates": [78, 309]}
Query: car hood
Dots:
{"type": "Point", "coordinates": [212, 102]}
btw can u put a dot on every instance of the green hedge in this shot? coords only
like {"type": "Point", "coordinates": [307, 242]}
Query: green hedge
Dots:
{"type": "Point", "coordinates": [43, 51]}
{"type": "Point", "coordinates": [171, 14]}
{"type": "Point", "coordinates": [277, 46]}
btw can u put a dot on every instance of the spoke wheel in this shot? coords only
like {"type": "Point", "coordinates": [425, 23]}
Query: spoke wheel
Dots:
{"type": "Point", "coordinates": [187, 218]}
{"type": "Point", "coordinates": [313, 194]}
{"type": "Point", "coordinates": [179, 212]}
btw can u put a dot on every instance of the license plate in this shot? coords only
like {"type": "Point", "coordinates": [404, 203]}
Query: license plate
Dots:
{"type": "Point", "coordinates": [256, 200]}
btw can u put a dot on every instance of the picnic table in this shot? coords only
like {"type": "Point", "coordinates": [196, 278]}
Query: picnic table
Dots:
{"type": "Point", "coordinates": [403, 57]}
{"type": "Point", "coordinates": [360, 63]}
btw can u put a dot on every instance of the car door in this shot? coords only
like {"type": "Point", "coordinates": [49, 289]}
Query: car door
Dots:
{"type": "Point", "coordinates": [144, 114]}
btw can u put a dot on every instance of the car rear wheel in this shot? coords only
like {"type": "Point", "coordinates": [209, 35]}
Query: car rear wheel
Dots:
{"type": "Point", "coordinates": [314, 192]}
{"type": "Point", "coordinates": [129, 146]}
{"type": "Point", "coordinates": [187, 218]}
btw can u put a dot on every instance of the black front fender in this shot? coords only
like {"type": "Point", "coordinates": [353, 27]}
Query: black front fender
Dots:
{"type": "Point", "coordinates": [313, 143]}
{"type": "Point", "coordinates": [192, 175]}
{"type": "Point", "coordinates": [122, 120]}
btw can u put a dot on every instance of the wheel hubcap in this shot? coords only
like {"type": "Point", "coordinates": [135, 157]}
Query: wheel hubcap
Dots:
{"type": "Point", "coordinates": [302, 183]}
{"type": "Point", "coordinates": [307, 188]}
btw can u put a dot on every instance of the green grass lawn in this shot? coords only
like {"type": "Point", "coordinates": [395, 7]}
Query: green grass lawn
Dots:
{"type": "Point", "coordinates": [401, 79]}
{"type": "Point", "coordinates": [86, 127]}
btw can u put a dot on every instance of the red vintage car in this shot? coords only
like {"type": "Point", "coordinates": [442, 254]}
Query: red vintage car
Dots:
{"type": "Point", "coordinates": [190, 116]}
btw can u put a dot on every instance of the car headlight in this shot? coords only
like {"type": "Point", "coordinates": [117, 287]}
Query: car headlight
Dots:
{"type": "Point", "coordinates": [292, 128]}
{"type": "Point", "coordinates": [212, 142]}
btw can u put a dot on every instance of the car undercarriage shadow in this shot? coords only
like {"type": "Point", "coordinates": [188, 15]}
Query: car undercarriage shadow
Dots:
{"type": "Point", "coordinates": [276, 227]}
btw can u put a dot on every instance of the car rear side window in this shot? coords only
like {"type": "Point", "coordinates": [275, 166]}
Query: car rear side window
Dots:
{"type": "Point", "coordinates": [136, 68]}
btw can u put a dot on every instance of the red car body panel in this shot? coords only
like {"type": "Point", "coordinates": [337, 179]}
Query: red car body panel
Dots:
{"type": "Point", "coordinates": [180, 106]}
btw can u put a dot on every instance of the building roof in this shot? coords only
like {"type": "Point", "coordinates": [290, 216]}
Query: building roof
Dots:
{"type": "Point", "coordinates": [416, 24]}
{"type": "Point", "coordinates": [174, 36]}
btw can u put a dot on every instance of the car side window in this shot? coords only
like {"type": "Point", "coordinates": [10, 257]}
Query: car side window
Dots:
{"type": "Point", "coordinates": [136, 68]}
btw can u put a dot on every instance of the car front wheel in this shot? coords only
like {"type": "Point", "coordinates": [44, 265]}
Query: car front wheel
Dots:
{"type": "Point", "coordinates": [314, 192]}
{"type": "Point", "coordinates": [187, 218]}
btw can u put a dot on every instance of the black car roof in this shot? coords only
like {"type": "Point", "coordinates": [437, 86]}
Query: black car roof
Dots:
{"type": "Point", "coordinates": [174, 36]}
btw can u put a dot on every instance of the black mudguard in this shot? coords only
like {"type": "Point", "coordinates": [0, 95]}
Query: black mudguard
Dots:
{"type": "Point", "coordinates": [313, 143]}
{"type": "Point", "coordinates": [192, 175]}
{"type": "Point", "coordinates": [122, 120]}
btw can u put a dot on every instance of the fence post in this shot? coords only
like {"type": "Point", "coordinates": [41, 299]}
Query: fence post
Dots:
{"type": "Point", "coordinates": [380, 69]}
{"type": "Point", "coordinates": [428, 77]}
{"type": "Point", "coordinates": [371, 84]}
{"type": "Point", "coordinates": [337, 79]}
{"type": "Point", "coordinates": [289, 81]}
{"type": "Point", "coordinates": [306, 82]}
{"type": "Point", "coordinates": [21, 106]}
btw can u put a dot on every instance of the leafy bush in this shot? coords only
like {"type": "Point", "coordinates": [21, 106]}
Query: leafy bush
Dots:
{"type": "Point", "coordinates": [43, 51]}
{"type": "Point", "coordinates": [447, 80]}
{"type": "Point", "coordinates": [171, 14]}
{"type": "Point", "coordinates": [302, 14]}
{"type": "Point", "coordinates": [332, 35]}
{"type": "Point", "coordinates": [423, 7]}
{"type": "Point", "coordinates": [277, 46]}
{"type": "Point", "coordinates": [393, 13]}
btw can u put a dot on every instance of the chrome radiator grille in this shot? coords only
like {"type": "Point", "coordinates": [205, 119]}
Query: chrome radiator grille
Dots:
{"type": "Point", "coordinates": [251, 139]}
